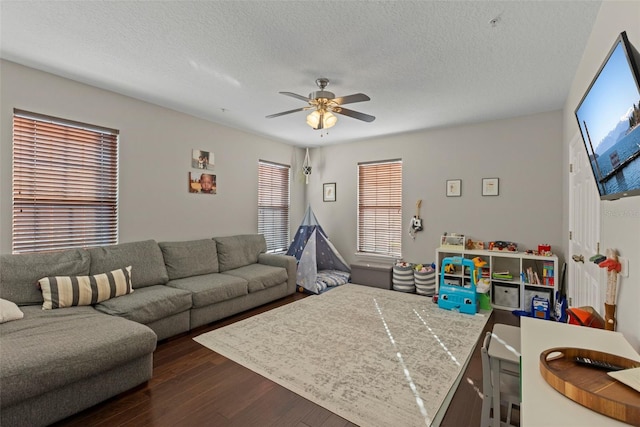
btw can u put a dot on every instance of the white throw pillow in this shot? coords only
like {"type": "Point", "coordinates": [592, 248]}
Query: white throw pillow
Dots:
{"type": "Point", "coordinates": [9, 311]}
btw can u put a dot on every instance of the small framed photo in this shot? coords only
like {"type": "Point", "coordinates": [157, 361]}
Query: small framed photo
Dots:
{"type": "Point", "coordinates": [202, 183]}
{"type": "Point", "coordinates": [454, 187]}
{"type": "Point", "coordinates": [201, 159]}
{"type": "Point", "coordinates": [490, 186]}
{"type": "Point", "coordinates": [329, 192]}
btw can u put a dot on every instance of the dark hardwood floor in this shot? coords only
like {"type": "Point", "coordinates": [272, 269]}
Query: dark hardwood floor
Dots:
{"type": "Point", "coordinates": [194, 386]}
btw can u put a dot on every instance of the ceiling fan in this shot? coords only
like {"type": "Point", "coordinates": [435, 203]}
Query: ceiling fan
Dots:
{"type": "Point", "coordinates": [324, 104]}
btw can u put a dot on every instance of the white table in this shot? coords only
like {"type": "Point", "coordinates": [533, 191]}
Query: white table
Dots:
{"type": "Point", "coordinates": [542, 405]}
{"type": "Point", "coordinates": [504, 354]}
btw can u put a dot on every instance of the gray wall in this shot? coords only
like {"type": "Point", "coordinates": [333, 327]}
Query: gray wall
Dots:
{"type": "Point", "coordinates": [525, 153]}
{"type": "Point", "coordinates": [155, 152]}
{"type": "Point", "coordinates": [620, 219]}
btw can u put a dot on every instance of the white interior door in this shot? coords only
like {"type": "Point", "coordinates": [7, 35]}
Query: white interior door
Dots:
{"type": "Point", "coordinates": [583, 283]}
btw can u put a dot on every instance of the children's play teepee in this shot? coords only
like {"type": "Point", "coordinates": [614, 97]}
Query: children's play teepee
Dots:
{"type": "Point", "coordinates": [320, 265]}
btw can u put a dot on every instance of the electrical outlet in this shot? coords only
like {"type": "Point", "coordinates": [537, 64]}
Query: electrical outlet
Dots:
{"type": "Point", "coordinates": [624, 266]}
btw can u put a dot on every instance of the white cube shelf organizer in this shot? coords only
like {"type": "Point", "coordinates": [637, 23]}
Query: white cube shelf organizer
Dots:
{"type": "Point", "coordinates": [515, 277]}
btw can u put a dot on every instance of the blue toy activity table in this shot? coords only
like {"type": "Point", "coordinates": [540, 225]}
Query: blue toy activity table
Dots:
{"type": "Point", "coordinates": [462, 298]}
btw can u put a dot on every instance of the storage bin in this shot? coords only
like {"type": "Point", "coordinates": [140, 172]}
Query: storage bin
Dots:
{"type": "Point", "coordinates": [425, 281]}
{"type": "Point", "coordinates": [506, 295]}
{"type": "Point", "coordinates": [403, 278]}
{"type": "Point", "coordinates": [375, 275]}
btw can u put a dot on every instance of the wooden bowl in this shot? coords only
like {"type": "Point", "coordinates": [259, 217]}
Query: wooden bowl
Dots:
{"type": "Point", "coordinates": [591, 387]}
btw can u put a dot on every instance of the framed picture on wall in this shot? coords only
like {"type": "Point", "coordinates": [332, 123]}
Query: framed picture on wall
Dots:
{"type": "Point", "coordinates": [202, 183]}
{"type": "Point", "coordinates": [201, 159]}
{"type": "Point", "coordinates": [454, 187]}
{"type": "Point", "coordinates": [329, 192]}
{"type": "Point", "coordinates": [490, 186]}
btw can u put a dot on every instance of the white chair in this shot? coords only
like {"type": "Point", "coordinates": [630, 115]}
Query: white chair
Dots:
{"type": "Point", "coordinates": [509, 390]}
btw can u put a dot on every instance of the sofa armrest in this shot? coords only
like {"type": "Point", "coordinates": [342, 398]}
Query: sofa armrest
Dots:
{"type": "Point", "coordinates": [285, 261]}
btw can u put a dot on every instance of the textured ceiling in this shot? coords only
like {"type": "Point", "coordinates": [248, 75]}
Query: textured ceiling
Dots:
{"type": "Point", "coordinates": [425, 64]}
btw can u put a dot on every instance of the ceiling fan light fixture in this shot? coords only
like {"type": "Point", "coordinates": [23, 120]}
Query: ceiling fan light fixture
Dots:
{"type": "Point", "coordinates": [324, 104]}
{"type": "Point", "coordinates": [328, 119]}
{"type": "Point", "coordinates": [313, 119]}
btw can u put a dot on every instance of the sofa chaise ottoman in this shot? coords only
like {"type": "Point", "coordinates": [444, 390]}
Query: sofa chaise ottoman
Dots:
{"type": "Point", "coordinates": [57, 362]}
{"type": "Point", "coordinates": [54, 363]}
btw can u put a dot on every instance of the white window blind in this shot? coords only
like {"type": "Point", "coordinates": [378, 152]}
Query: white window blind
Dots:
{"type": "Point", "coordinates": [380, 208]}
{"type": "Point", "coordinates": [273, 205]}
{"type": "Point", "coordinates": [65, 184]}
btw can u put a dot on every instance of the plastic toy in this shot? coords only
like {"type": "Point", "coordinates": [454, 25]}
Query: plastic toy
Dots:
{"type": "Point", "coordinates": [500, 245]}
{"type": "Point", "coordinates": [461, 298]}
{"type": "Point", "coordinates": [613, 266]}
{"type": "Point", "coordinates": [540, 308]}
{"type": "Point", "coordinates": [478, 263]}
{"type": "Point", "coordinates": [474, 244]}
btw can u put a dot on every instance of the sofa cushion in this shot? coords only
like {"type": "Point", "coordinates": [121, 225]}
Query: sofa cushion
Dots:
{"type": "Point", "coordinates": [190, 258]}
{"type": "Point", "coordinates": [260, 276]}
{"type": "Point", "coordinates": [145, 257]}
{"type": "Point", "coordinates": [238, 251]}
{"type": "Point", "coordinates": [148, 304]}
{"type": "Point", "coordinates": [67, 291]}
{"type": "Point", "coordinates": [212, 288]}
{"type": "Point", "coordinates": [9, 311]}
{"type": "Point", "coordinates": [49, 349]}
{"type": "Point", "coordinates": [19, 274]}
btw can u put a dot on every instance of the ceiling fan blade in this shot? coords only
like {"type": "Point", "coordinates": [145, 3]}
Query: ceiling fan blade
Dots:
{"type": "Point", "coordinates": [295, 95]}
{"type": "Point", "coordinates": [354, 114]}
{"type": "Point", "coordinates": [287, 112]}
{"type": "Point", "coordinates": [349, 99]}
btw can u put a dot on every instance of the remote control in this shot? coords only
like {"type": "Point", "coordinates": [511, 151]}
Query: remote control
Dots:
{"type": "Point", "coordinates": [598, 364]}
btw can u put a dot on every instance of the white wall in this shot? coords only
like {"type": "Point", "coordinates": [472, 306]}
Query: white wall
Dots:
{"type": "Point", "coordinates": [156, 143]}
{"type": "Point", "coordinates": [525, 153]}
{"type": "Point", "coordinates": [620, 227]}
{"type": "Point", "coordinates": [155, 152]}
{"type": "Point", "coordinates": [156, 146]}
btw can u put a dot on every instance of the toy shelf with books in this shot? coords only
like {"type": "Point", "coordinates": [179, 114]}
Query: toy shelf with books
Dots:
{"type": "Point", "coordinates": [514, 277]}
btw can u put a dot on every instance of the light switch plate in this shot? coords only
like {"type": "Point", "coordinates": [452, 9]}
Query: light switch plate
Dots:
{"type": "Point", "coordinates": [624, 266]}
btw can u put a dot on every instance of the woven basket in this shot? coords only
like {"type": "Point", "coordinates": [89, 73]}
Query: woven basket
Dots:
{"type": "Point", "coordinates": [403, 278]}
{"type": "Point", "coordinates": [425, 282]}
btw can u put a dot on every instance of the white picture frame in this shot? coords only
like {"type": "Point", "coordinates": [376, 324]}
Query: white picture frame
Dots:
{"type": "Point", "coordinates": [454, 188]}
{"type": "Point", "coordinates": [490, 186]}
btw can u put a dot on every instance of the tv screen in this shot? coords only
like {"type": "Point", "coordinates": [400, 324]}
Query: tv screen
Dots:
{"type": "Point", "coordinates": [609, 120]}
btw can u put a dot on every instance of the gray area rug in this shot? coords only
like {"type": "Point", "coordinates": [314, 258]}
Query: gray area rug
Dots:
{"type": "Point", "coordinates": [375, 357]}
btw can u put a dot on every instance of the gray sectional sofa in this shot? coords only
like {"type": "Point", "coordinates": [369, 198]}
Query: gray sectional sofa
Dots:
{"type": "Point", "coordinates": [57, 362]}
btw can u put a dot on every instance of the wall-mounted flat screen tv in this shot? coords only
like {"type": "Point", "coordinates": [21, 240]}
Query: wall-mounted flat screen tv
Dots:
{"type": "Point", "coordinates": [609, 120]}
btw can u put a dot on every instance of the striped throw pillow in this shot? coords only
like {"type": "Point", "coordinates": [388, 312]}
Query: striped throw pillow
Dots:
{"type": "Point", "coordinates": [67, 291]}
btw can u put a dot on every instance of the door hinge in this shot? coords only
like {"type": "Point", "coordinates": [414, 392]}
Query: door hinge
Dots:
{"type": "Point", "coordinates": [570, 235]}
{"type": "Point", "coordinates": [570, 167]}
{"type": "Point", "coordinates": [570, 301]}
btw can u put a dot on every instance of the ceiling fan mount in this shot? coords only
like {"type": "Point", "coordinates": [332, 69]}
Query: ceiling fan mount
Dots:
{"type": "Point", "coordinates": [320, 94]}
{"type": "Point", "coordinates": [324, 104]}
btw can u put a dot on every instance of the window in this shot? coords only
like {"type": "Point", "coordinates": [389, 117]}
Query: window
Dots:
{"type": "Point", "coordinates": [273, 205]}
{"type": "Point", "coordinates": [65, 184]}
{"type": "Point", "coordinates": [380, 208]}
